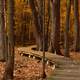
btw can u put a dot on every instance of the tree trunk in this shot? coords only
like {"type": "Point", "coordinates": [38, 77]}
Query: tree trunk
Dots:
{"type": "Point", "coordinates": [66, 52]}
{"type": "Point", "coordinates": [47, 23]}
{"type": "Point", "coordinates": [56, 35]}
{"type": "Point", "coordinates": [2, 31]}
{"type": "Point", "coordinates": [51, 47]}
{"type": "Point", "coordinates": [43, 33]}
{"type": "Point", "coordinates": [76, 23]}
{"type": "Point", "coordinates": [8, 74]}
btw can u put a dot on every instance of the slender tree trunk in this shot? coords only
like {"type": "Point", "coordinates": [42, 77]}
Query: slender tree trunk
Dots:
{"type": "Point", "coordinates": [76, 23]}
{"type": "Point", "coordinates": [43, 28]}
{"type": "Point", "coordinates": [2, 31]}
{"type": "Point", "coordinates": [8, 74]}
{"type": "Point", "coordinates": [66, 52]}
{"type": "Point", "coordinates": [23, 38]}
{"type": "Point", "coordinates": [56, 35]}
{"type": "Point", "coordinates": [5, 31]}
{"type": "Point", "coordinates": [47, 22]}
{"type": "Point", "coordinates": [40, 18]}
{"type": "Point", "coordinates": [51, 48]}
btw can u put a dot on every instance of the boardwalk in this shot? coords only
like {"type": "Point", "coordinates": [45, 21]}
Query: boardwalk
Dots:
{"type": "Point", "coordinates": [66, 69]}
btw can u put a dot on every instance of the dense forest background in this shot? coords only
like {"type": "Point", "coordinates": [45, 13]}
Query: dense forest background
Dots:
{"type": "Point", "coordinates": [25, 26]}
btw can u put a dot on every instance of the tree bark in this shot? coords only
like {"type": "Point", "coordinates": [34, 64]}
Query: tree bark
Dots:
{"type": "Point", "coordinates": [76, 25]}
{"type": "Point", "coordinates": [51, 47]}
{"type": "Point", "coordinates": [2, 31]}
{"type": "Point", "coordinates": [66, 51]}
{"type": "Point", "coordinates": [56, 26]}
{"type": "Point", "coordinates": [8, 74]}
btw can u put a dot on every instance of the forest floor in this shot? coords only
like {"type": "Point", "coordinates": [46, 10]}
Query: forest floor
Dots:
{"type": "Point", "coordinates": [31, 69]}
{"type": "Point", "coordinates": [26, 68]}
{"type": "Point", "coordinates": [73, 55]}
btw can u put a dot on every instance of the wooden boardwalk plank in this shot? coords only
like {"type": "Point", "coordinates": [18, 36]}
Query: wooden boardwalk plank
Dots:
{"type": "Point", "coordinates": [66, 69]}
